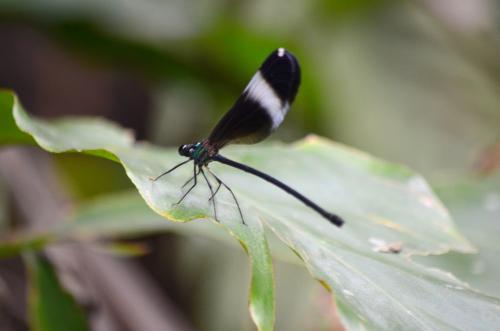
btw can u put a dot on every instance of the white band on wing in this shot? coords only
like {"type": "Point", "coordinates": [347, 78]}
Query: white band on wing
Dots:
{"type": "Point", "coordinates": [260, 91]}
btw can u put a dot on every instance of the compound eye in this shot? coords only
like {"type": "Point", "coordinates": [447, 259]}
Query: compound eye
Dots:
{"type": "Point", "coordinates": [182, 148]}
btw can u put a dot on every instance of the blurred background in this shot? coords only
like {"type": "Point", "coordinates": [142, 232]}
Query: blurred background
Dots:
{"type": "Point", "coordinates": [415, 82]}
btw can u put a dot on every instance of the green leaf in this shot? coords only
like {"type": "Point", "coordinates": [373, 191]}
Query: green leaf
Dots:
{"type": "Point", "coordinates": [51, 308]}
{"type": "Point", "coordinates": [475, 205]}
{"type": "Point", "coordinates": [90, 135]}
{"type": "Point", "coordinates": [10, 133]}
{"type": "Point", "coordinates": [382, 203]}
{"type": "Point", "coordinates": [125, 215]}
{"type": "Point", "coordinates": [101, 138]}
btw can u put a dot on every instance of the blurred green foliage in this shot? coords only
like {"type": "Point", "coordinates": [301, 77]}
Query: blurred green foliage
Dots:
{"type": "Point", "coordinates": [51, 308]}
{"type": "Point", "coordinates": [375, 72]}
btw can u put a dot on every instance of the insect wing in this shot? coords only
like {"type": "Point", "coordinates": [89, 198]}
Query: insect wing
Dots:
{"type": "Point", "coordinates": [262, 106]}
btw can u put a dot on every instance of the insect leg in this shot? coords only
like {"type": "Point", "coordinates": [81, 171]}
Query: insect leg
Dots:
{"type": "Point", "coordinates": [211, 191]}
{"type": "Point", "coordinates": [216, 190]}
{"type": "Point", "coordinates": [195, 175]}
{"type": "Point", "coordinates": [190, 179]}
{"type": "Point", "coordinates": [154, 179]}
{"type": "Point", "coordinates": [230, 191]}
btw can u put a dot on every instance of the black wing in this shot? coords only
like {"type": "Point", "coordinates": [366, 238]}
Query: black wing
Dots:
{"type": "Point", "coordinates": [262, 106]}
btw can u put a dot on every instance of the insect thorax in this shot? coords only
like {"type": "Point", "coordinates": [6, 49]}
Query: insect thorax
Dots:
{"type": "Point", "coordinates": [201, 152]}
